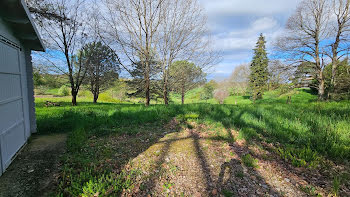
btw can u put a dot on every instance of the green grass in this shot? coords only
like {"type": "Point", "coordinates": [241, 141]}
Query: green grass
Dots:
{"type": "Point", "coordinates": [192, 96]}
{"type": "Point", "coordinates": [304, 131]}
{"type": "Point", "coordinates": [53, 91]}
{"type": "Point", "coordinates": [323, 127]}
{"type": "Point", "coordinates": [249, 161]}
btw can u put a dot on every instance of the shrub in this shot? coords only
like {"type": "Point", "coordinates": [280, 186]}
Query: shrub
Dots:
{"type": "Point", "coordinates": [221, 95]}
{"type": "Point", "coordinates": [63, 91]}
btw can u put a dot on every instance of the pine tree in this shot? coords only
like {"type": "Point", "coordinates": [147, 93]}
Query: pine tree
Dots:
{"type": "Point", "coordinates": [259, 69]}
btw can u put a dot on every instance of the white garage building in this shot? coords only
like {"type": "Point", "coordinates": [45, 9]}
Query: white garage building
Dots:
{"type": "Point", "coordinates": [18, 37]}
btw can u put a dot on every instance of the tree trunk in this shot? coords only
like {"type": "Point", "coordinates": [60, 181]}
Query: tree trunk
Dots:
{"type": "Point", "coordinates": [334, 72]}
{"type": "Point", "coordinates": [147, 83]}
{"type": "Point", "coordinates": [335, 56]}
{"type": "Point", "coordinates": [95, 97]}
{"type": "Point", "coordinates": [321, 87]}
{"type": "Point", "coordinates": [74, 98]}
{"type": "Point", "coordinates": [165, 95]}
{"type": "Point", "coordinates": [96, 91]}
{"type": "Point", "coordinates": [165, 90]}
{"type": "Point", "coordinates": [320, 77]}
{"type": "Point", "coordinates": [183, 95]}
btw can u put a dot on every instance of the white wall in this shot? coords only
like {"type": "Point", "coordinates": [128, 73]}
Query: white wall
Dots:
{"type": "Point", "coordinates": [26, 84]}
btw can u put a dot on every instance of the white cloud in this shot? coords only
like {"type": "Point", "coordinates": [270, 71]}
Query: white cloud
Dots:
{"type": "Point", "coordinates": [264, 23]}
{"type": "Point", "coordinates": [245, 39]}
{"type": "Point", "coordinates": [236, 25]}
{"type": "Point", "coordinates": [254, 7]}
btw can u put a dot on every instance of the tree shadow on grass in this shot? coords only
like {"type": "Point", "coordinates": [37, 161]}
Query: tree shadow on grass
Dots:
{"type": "Point", "coordinates": [309, 177]}
{"type": "Point", "coordinates": [215, 184]}
{"type": "Point", "coordinates": [103, 138]}
{"type": "Point", "coordinates": [236, 179]}
{"type": "Point", "coordinates": [139, 129]}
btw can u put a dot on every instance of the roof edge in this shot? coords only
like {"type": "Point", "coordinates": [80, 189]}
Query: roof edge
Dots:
{"type": "Point", "coordinates": [42, 46]}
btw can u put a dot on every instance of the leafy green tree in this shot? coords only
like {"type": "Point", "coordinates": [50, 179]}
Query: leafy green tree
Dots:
{"type": "Point", "coordinates": [208, 90]}
{"type": "Point", "coordinates": [37, 78]}
{"type": "Point", "coordinates": [342, 89]}
{"type": "Point", "coordinates": [184, 76]}
{"type": "Point", "coordinates": [136, 86]}
{"type": "Point", "coordinates": [259, 69]}
{"type": "Point", "coordinates": [101, 65]}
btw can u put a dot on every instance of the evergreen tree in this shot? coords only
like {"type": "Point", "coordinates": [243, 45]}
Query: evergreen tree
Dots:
{"type": "Point", "coordinates": [101, 65]}
{"type": "Point", "coordinates": [259, 69]}
{"type": "Point", "coordinates": [208, 90]}
{"type": "Point", "coordinates": [136, 86]}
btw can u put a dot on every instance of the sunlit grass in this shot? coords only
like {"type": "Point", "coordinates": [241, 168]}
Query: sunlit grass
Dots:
{"type": "Point", "coordinates": [304, 131]}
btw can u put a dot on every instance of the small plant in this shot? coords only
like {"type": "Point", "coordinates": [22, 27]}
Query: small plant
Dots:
{"type": "Point", "coordinates": [227, 193]}
{"type": "Point", "coordinates": [239, 174]}
{"type": "Point", "coordinates": [173, 168]}
{"type": "Point", "coordinates": [167, 187]}
{"type": "Point", "coordinates": [249, 161]}
{"type": "Point", "coordinates": [336, 185]}
{"type": "Point", "coordinates": [247, 133]}
{"type": "Point", "coordinates": [309, 189]}
{"type": "Point", "coordinates": [88, 182]}
{"type": "Point", "coordinates": [300, 157]}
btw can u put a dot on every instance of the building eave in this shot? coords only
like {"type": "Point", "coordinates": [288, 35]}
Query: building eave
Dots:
{"type": "Point", "coordinates": [17, 16]}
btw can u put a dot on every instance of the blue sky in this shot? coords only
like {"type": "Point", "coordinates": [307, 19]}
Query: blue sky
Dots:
{"type": "Point", "coordinates": [236, 25]}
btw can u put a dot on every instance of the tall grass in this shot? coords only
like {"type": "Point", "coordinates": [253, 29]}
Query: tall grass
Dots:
{"type": "Point", "coordinates": [322, 127]}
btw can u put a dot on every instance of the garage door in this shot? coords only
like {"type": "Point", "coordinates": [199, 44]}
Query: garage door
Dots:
{"type": "Point", "coordinates": [12, 127]}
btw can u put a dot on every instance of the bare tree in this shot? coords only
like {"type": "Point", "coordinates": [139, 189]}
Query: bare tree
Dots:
{"type": "Point", "coordinates": [166, 29]}
{"type": "Point", "coordinates": [63, 29]}
{"type": "Point", "coordinates": [43, 10]}
{"type": "Point", "coordinates": [133, 25]}
{"type": "Point", "coordinates": [182, 35]}
{"type": "Point", "coordinates": [339, 30]}
{"type": "Point", "coordinates": [221, 95]}
{"type": "Point", "coordinates": [280, 73]}
{"type": "Point", "coordinates": [239, 79]}
{"type": "Point", "coordinates": [306, 32]}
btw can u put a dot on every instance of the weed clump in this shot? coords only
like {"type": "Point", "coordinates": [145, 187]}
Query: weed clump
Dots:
{"type": "Point", "coordinates": [249, 161]}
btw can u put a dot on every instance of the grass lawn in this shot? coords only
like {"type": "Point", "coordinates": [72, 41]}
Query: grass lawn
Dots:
{"type": "Point", "coordinates": [120, 149]}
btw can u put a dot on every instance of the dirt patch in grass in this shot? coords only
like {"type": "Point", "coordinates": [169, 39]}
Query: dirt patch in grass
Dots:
{"type": "Point", "coordinates": [196, 162]}
{"type": "Point", "coordinates": [35, 170]}
{"type": "Point", "coordinates": [178, 159]}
